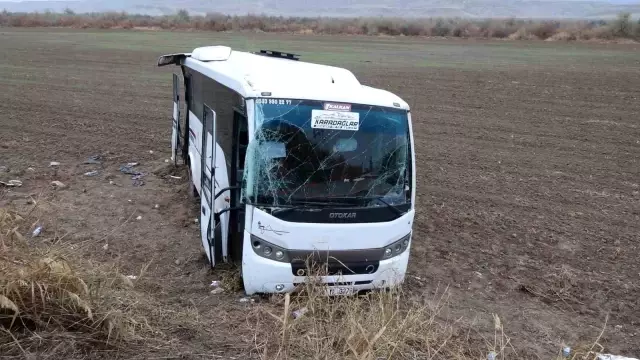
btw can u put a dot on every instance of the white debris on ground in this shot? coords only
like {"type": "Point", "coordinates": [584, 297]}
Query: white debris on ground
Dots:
{"type": "Point", "coordinates": [132, 277]}
{"type": "Point", "coordinates": [613, 357]}
{"type": "Point", "coordinates": [37, 231]}
{"type": "Point", "coordinates": [11, 183]}
{"type": "Point", "coordinates": [298, 313]}
{"type": "Point", "coordinates": [54, 163]}
{"type": "Point", "coordinates": [217, 291]}
{"type": "Point", "coordinates": [59, 185]}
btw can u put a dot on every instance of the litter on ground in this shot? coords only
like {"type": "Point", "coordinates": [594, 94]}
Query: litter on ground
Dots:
{"type": "Point", "coordinates": [138, 180]}
{"type": "Point", "coordinates": [137, 176]}
{"type": "Point", "coordinates": [58, 185]}
{"type": "Point", "coordinates": [11, 183]}
{"type": "Point", "coordinates": [298, 313]}
{"type": "Point", "coordinates": [95, 159]}
{"type": "Point", "coordinates": [126, 169]}
{"type": "Point", "coordinates": [37, 231]}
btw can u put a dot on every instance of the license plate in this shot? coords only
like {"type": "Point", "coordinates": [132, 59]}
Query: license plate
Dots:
{"type": "Point", "coordinates": [339, 291]}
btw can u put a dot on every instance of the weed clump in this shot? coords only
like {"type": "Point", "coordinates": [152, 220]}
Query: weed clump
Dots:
{"type": "Point", "coordinates": [49, 304]}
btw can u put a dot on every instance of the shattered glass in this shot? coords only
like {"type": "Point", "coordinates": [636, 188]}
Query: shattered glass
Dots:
{"type": "Point", "coordinates": [304, 152]}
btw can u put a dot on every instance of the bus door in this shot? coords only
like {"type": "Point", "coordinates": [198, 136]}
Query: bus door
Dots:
{"type": "Point", "coordinates": [209, 222]}
{"type": "Point", "coordinates": [175, 128]}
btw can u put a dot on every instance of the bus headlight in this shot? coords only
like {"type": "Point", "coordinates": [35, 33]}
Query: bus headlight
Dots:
{"type": "Point", "coordinates": [397, 247]}
{"type": "Point", "coordinates": [268, 250]}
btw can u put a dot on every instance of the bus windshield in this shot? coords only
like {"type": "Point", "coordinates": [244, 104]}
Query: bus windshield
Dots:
{"type": "Point", "coordinates": [316, 152]}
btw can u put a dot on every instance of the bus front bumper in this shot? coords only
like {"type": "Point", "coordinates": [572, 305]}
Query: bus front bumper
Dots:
{"type": "Point", "coordinates": [261, 275]}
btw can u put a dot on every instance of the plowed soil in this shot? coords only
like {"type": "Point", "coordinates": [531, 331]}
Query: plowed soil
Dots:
{"type": "Point", "coordinates": [528, 165]}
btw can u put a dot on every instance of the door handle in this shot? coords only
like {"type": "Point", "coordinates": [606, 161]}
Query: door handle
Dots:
{"type": "Point", "coordinates": [204, 210]}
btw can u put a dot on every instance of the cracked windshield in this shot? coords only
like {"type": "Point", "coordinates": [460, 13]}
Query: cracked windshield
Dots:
{"type": "Point", "coordinates": [315, 152]}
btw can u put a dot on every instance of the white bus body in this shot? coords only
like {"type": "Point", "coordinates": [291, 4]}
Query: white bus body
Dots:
{"type": "Point", "coordinates": [309, 166]}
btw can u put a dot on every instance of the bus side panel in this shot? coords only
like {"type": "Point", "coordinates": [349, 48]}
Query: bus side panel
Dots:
{"type": "Point", "coordinates": [223, 101]}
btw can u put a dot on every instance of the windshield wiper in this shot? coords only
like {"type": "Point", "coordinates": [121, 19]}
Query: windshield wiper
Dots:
{"type": "Point", "coordinates": [374, 197]}
{"type": "Point", "coordinates": [392, 207]}
{"type": "Point", "coordinates": [297, 205]}
{"type": "Point", "coordinates": [286, 210]}
{"type": "Point", "coordinates": [313, 201]}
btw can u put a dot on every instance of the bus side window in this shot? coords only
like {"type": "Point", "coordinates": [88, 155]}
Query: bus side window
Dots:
{"type": "Point", "coordinates": [209, 128]}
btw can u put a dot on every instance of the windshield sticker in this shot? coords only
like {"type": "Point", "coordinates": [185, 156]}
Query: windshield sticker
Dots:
{"type": "Point", "coordinates": [337, 107]}
{"type": "Point", "coordinates": [334, 120]}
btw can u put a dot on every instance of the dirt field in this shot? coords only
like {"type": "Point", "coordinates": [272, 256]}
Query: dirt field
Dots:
{"type": "Point", "coordinates": [528, 158]}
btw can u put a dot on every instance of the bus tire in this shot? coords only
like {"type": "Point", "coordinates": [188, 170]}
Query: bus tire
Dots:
{"type": "Point", "coordinates": [192, 192]}
{"type": "Point", "coordinates": [217, 242]}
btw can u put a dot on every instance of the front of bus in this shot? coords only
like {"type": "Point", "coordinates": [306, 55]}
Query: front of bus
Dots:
{"type": "Point", "coordinates": [327, 185]}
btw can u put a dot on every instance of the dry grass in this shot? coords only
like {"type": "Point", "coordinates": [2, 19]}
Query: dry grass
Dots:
{"type": "Point", "coordinates": [523, 34]}
{"type": "Point", "coordinates": [378, 325]}
{"type": "Point", "coordinates": [51, 305]}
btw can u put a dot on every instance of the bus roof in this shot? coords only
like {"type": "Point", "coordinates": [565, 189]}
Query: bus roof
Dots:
{"type": "Point", "coordinates": [257, 75]}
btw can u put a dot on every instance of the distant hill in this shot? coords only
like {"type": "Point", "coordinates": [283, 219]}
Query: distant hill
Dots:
{"type": "Point", "coordinates": [348, 8]}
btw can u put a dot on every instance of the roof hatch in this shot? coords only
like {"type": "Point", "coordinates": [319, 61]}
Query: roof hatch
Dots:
{"type": "Point", "coordinates": [211, 53]}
